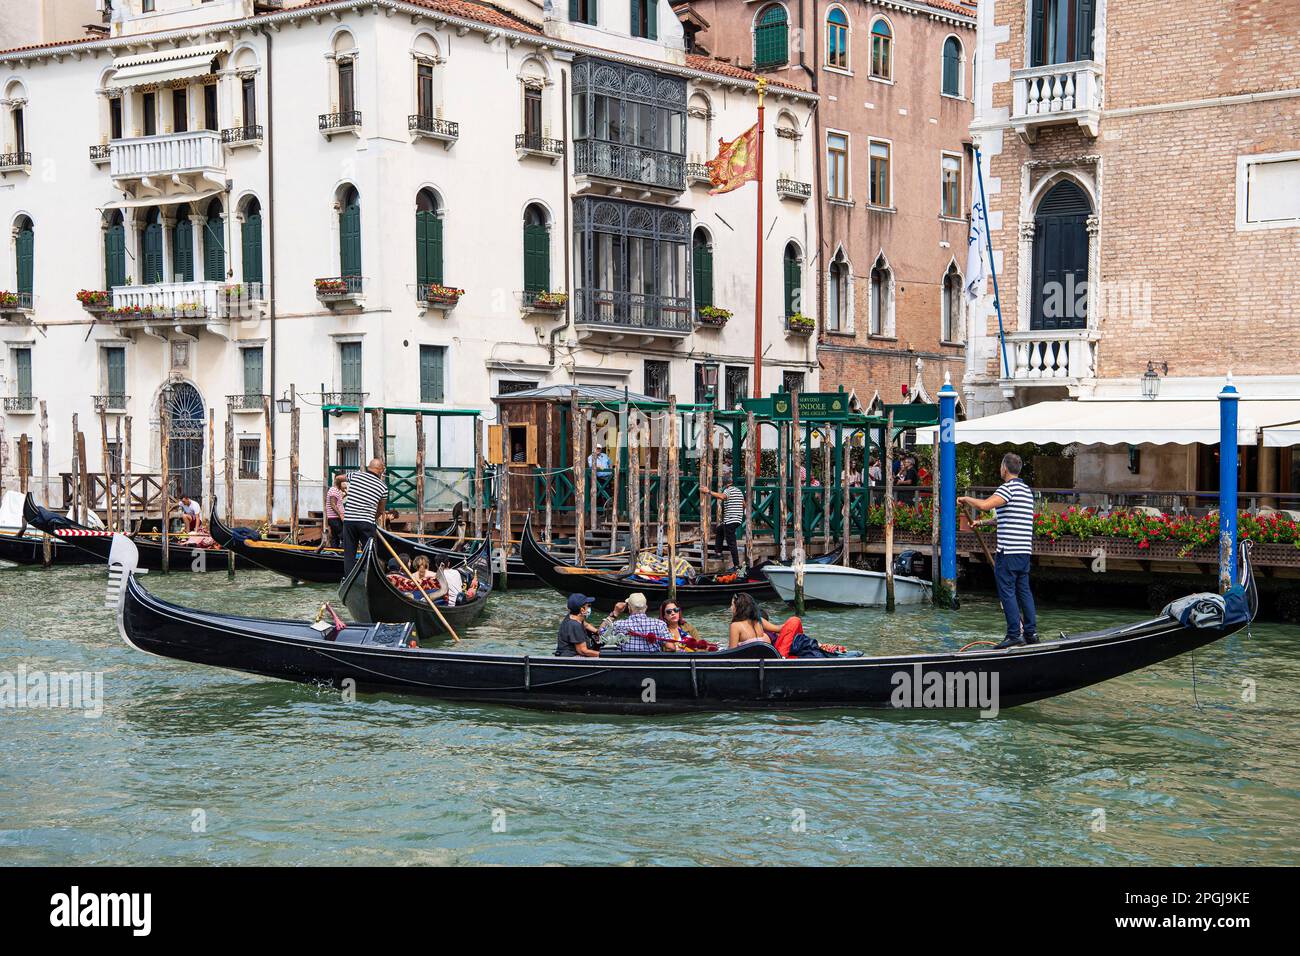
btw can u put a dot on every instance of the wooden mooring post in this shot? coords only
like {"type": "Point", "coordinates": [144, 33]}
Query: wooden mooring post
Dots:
{"type": "Point", "coordinates": [108, 470]}
{"type": "Point", "coordinates": [419, 473]}
{"type": "Point", "coordinates": [477, 490]}
{"type": "Point", "coordinates": [579, 480]}
{"type": "Point", "coordinates": [548, 482]}
{"type": "Point", "coordinates": [269, 444]}
{"type": "Point", "coordinates": [846, 502]}
{"type": "Point", "coordinates": [751, 473]}
{"type": "Point", "coordinates": [164, 440]}
{"type": "Point", "coordinates": [674, 498]}
{"type": "Point", "coordinates": [796, 445]}
{"type": "Point", "coordinates": [503, 500]}
{"type": "Point", "coordinates": [126, 474]}
{"type": "Point", "coordinates": [47, 546]}
{"type": "Point", "coordinates": [889, 512]}
{"type": "Point", "coordinates": [295, 425]}
{"type": "Point", "coordinates": [633, 489]}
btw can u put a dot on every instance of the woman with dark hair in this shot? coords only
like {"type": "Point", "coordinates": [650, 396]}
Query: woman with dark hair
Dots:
{"type": "Point", "coordinates": [670, 612]}
{"type": "Point", "coordinates": [748, 622]}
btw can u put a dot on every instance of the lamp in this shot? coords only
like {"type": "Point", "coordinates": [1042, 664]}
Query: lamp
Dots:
{"type": "Point", "coordinates": [709, 378]}
{"type": "Point", "coordinates": [284, 404]}
{"type": "Point", "coordinates": [1151, 379]}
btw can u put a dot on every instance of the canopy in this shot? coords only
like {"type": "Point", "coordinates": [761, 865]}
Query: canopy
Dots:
{"type": "Point", "coordinates": [1134, 422]}
{"type": "Point", "coordinates": [171, 199]}
{"type": "Point", "coordinates": [163, 66]}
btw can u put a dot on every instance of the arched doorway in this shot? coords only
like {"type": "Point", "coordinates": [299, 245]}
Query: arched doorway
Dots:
{"type": "Point", "coordinates": [186, 426]}
{"type": "Point", "coordinates": [1060, 277]}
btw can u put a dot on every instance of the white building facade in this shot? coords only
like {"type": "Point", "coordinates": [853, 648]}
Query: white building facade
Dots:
{"type": "Point", "coordinates": [473, 201]}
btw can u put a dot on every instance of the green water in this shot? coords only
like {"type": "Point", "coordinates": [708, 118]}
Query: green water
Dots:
{"type": "Point", "coordinates": [285, 773]}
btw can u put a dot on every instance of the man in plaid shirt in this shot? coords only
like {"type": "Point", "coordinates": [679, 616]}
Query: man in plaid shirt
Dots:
{"type": "Point", "coordinates": [640, 633]}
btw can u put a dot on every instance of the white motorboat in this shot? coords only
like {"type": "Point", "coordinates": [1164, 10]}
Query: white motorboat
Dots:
{"type": "Point", "coordinates": [834, 584]}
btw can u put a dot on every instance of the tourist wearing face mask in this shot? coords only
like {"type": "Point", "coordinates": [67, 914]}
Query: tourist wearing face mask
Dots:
{"type": "Point", "coordinates": [577, 638]}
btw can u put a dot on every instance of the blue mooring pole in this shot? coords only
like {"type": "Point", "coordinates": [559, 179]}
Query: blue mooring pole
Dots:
{"type": "Point", "coordinates": [1228, 485]}
{"type": "Point", "coordinates": [947, 494]}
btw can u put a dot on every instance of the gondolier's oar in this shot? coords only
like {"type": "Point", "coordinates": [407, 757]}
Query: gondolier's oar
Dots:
{"type": "Point", "coordinates": [984, 545]}
{"type": "Point", "coordinates": [428, 600]}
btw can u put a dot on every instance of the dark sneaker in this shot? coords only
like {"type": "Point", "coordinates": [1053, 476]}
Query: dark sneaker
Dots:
{"type": "Point", "coordinates": [1010, 642]}
{"type": "Point", "coordinates": [1031, 638]}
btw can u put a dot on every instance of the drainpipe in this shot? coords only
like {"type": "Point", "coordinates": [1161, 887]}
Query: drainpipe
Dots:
{"type": "Point", "coordinates": [270, 208]}
{"type": "Point", "coordinates": [564, 239]}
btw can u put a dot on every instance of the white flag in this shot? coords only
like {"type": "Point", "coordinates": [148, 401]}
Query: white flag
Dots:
{"type": "Point", "coordinates": [975, 277]}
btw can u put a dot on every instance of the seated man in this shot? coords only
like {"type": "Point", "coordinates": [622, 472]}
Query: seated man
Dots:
{"type": "Point", "coordinates": [577, 638]}
{"type": "Point", "coordinates": [640, 633]}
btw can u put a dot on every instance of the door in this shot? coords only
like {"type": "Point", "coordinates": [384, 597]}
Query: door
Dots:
{"type": "Point", "coordinates": [187, 426]}
{"type": "Point", "coordinates": [1060, 278]}
{"type": "Point", "coordinates": [428, 247]}
{"type": "Point", "coordinates": [350, 236]}
{"type": "Point", "coordinates": [26, 256]}
{"type": "Point", "coordinates": [537, 257]}
{"type": "Point", "coordinates": [214, 246]}
{"type": "Point", "coordinates": [183, 246]}
{"type": "Point", "coordinates": [702, 270]}
{"type": "Point", "coordinates": [115, 253]}
{"type": "Point", "coordinates": [151, 262]}
{"type": "Point", "coordinates": [252, 236]}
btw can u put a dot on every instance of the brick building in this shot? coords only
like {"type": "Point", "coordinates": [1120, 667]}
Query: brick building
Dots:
{"type": "Point", "coordinates": [884, 159]}
{"type": "Point", "coordinates": [1143, 172]}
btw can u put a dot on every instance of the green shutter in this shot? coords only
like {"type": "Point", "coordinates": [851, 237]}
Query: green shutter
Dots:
{"type": "Point", "coordinates": [183, 249]}
{"type": "Point", "coordinates": [428, 248]}
{"type": "Point", "coordinates": [116, 361]}
{"type": "Point", "coordinates": [253, 371]}
{"type": "Point", "coordinates": [214, 250]}
{"type": "Point", "coordinates": [771, 46]}
{"type": "Point", "coordinates": [350, 239]}
{"type": "Point", "coordinates": [431, 372]}
{"type": "Point", "coordinates": [152, 259]}
{"type": "Point", "coordinates": [580, 12]}
{"type": "Point", "coordinates": [793, 285]}
{"type": "Point", "coordinates": [350, 365]}
{"type": "Point", "coordinates": [702, 273]}
{"type": "Point", "coordinates": [252, 235]}
{"type": "Point", "coordinates": [23, 371]}
{"type": "Point", "coordinates": [115, 256]}
{"type": "Point", "coordinates": [26, 259]}
{"type": "Point", "coordinates": [537, 258]}
{"type": "Point", "coordinates": [652, 19]}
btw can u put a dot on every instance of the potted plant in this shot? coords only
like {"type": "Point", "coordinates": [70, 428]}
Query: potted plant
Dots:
{"type": "Point", "coordinates": [8, 300]}
{"type": "Point", "coordinates": [93, 300]}
{"type": "Point", "coordinates": [443, 295]}
{"type": "Point", "coordinates": [328, 288]}
{"type": "Point", "coordinates": [713, 315]}
{"type": "Point", "coordinates": [799, 324]}
{"type": "Point", "coordinates": [550, 301]}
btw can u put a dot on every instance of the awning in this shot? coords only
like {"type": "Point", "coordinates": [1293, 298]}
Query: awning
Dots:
{"type": "Point", "coordinates": [162, 66]}
{"type": "Point", "coordinates": [172, 199]}
{"type": "Point", "coordinates": [1134, 422]}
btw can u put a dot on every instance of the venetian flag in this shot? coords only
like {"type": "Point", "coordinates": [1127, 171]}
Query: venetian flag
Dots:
{"type": "Point", "coordinates": [736, 162]}
{"type": "Point", "coordinates": [975, 277]}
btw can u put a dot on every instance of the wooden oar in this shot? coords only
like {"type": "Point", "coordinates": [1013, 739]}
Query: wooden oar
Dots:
{"type": "Point", "coordinates": [428, 600]}
{"type": "Point", "coordinates": [984, 545]}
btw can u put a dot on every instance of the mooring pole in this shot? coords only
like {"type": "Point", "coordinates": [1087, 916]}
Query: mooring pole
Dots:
{"type": "Point", "coordinates": [1228, 484]}
{"type": "Point", "coordinates": [889, 512]}
{"type": "Point", "coordinates": [947, 495]}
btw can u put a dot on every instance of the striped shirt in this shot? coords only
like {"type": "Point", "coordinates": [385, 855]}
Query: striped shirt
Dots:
{"type": "Point", "coordinates": [1016, 518]}
{"type": "Point", "coordinates": [334, 503]}
{"type": "Point", "coordinates": [365, 492]}
{"type": "Point", "coordinates": [733, 505]}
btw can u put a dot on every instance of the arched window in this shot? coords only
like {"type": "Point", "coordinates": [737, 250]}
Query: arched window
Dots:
{"type": "Point", "coordinates": [793, 267]}
{"type": "Point", "coordinates": [537, 252]}
{"type": "Point", "coordinates": [1060, 276]}
{"type": "Point", "coordinates": [952, 67]}
{"type": "Point", "coordinates": [837, 294]}
{"type": "Point", "coordinates": [115, 250]}
{"type": "Point", "coordinates": [151, 249]}
{"type": "Point", "coordinates": [950, 303]}
{"type": "Point", "coordinates": [882, 50]}
{"type": "Point", "coordinates": [251, 234]}
{"type": "Point", "coordinates": [837, 39]}
{"type": "Point", "coordinates": [428, 239]}
{"type": "Point", "coordinates": [702, 268]}
{"type": "Point", "coordinates": [350, 233]}
{"type": "Point", "coordinates": [25, 253]}
{"type": "Point", "coordinates": [183, 246]}
{"type": "Point", "coordinates": [882, 298]}
{"type": "Point", "coordinates": [771, 38]}
{"type": "Point", "coordinates": [214, 244]}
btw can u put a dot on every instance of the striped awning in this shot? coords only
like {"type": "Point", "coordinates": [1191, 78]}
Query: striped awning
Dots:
{"type": "Point", "coordinates": [162, 66]}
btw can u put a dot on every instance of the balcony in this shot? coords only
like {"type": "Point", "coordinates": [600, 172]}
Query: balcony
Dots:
{"type": "Point", "coordinates": [15, 163]}
{"type": "Point", "coordinates": [246, 402]}
{"type": "Point", "coordinates": [110, 403]}
{"type": "Point", "coordinates": [331, 124]}
{"type": "Point", "coordinates": [543, 303]}
{"type": "Point", "coordinates": [433, 127]}
{"type": "Point", "coordinates": [238, 136]}
{"type": "Point", "coordinates": [698, 173]}
{"type": "Point", "coordinates": [1064, 93]}
{"type": "Point", "coordinates": [652, 168]}
{"type": "Point", "coordinates": [345, 399]}
{"type": "Point", "coordinates": [793, 189]}
{"type": "Point", "coordinates": [99, 154]}
{"type": "Point", "coordinates": [16, 307]}
{"type": "Point", "coordinates": [1060, 357]}
{"type": "Point", "coordinates": [799, 325]}
{"type": "Point", "coordinates": [171, 163]}
{"type": "Point", "coordinates": [621, 314]}
{"type": "Point", "coordinates": [20, 404]}
{"type": "Point", "coordinates": [341, 293]}
{"type": "Point", "coordinates": [534, 144]}
{"type": "Point", "coordinates": [435, 295]}
{"type": "Point", "coordinates": [188, 307]}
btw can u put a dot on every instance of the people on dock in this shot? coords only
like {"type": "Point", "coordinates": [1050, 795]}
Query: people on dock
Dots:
{"type": "Point", "coordinates": [1013, 503]}
{"type": "Point", "coordinates": [733, 515]}
{"type": "Point", "coordinates": [334, 503]}
{"type": "Point", "coordinates": [638, 632]}
{"type": "Point", "coordinates": [577, 637]}
{"type": "Point", "coordinates": [598, 461]}
{"type": "Point", "coordinates": [367, 492]}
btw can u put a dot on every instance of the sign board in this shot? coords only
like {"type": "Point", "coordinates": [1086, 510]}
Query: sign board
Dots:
{"type": "Point", "coordinates": [813, 406]}
{"type": "Point", "coordinates": [913, 414]}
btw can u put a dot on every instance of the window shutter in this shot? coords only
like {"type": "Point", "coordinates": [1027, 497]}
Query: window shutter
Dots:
{"type": "Point", "coordinates": [115, 256]}
{"type": "Point", "coordinates": [153, 258]}
{"type": "Point", "coordinates": [702, 274]}
{"type": "Point", "coordinates": [431, 373]}
{"type": "Point", "coordinates": [428, 248]}
{"type": "Point", "coordinates": [350, 240]}
{"type": "Point", "coordinates": [252, 234]}
{"type": "Point", "coordinates": [530, 442]}
{"type": "Point", "coordinates": [793, 282]}
{"type": "Point", "coordinates": [1084, 20]}
{"type": "Point", "coordinates": [350, 366]}
{"type": "Point", "coordinates": [26, 260]}
{"type": "Point", "coordinates": [652, 19]}
{"type": "Point", "coordinates": [116, 362]}
{"type": "Point", "coordinates": [1036, 34]}
{"type": "Point", "coordinates": [214, 250]}
{"type": "Point", "coordinates": [23, 368]}
{"type": "Point", "coordinates": [495, 454]}
{"type": "Point", "coordinates": [182, 249]}
{"type": "Point", "coordinates": [537, 259]}
{"type": "Point", "coordinates": [253, 371]}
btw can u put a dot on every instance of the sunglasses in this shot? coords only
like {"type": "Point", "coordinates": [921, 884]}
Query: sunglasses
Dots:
{"type": "Point", "coordinates": [672, 610]}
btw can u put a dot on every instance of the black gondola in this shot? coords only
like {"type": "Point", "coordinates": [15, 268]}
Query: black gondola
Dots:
{"type": "Point", "coordinates": [96, 543]}
{"type": "Point", "coordinates": [26, 549]}
{"type": "Point", "coordinates": [375, 658]}
{"type": "Point", "coordinates": [371, 596]}
{"type": "Point", "coordinates": [610, 588]}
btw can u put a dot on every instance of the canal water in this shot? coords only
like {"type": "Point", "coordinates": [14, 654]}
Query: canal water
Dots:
{"type": "Point", "coordinates": [192, 765]}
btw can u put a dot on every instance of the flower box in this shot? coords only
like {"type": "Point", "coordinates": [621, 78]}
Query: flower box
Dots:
{"type": "Point", "coordinates": [546, 301]}
{"type": "Point", "coordinates": [712, 315]}
{"type": "Point", "coordinates": [8, 300]}
{"type": "Point", "coordinates": [799, 324]}
{"type": "Point", "coordinates": [331, 288]}
{"type": "Point", "coordinates": [442, 296]}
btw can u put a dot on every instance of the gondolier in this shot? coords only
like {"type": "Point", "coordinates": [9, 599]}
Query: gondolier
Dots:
{"type": "Point", "coordinates": [367, 493]}
{"type": "Point", "coordinates": [1014, 503]}
{"type": "Point", "coordinates": [733, 516]}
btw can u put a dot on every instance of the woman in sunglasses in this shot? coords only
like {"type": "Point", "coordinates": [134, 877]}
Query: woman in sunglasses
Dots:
{"type": "Point", "coordinates": [670, 612]}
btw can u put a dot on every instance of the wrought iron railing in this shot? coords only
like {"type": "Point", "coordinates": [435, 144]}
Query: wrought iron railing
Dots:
{"type": "Point", "coordinates": [15, 160]}
{"type": "Point", "coordinates": [433, 126]}
{"type": "Point", "coordinates": [698, 172]}
{"type": "Point", "coordinates": [633, 310]}
{"type": "Point", "coordinates": [19, 403]}
{"type": "Point", "coordinates": [793, 188]}
{"type": "Point", "coordinates": [536, 143]}
{"type": "Point", "coordinates": [99, 153]}
{"type": "Point", "coordinates": [338, 287]}
{"type": "Point", "coordinates": [246, 402]}
{"type": "Point", "coordinates": [110, 403]}
{"type": "Point", "coordinates": [346, 398]}
{"type": "Point", "coordinates": [241, 134]}
{"type": "Point", "coordinates": [345, 120]}
{"type": "Point", "coordinates": [653, 167]}
{"type": "Point", "coordinates": [20, 302]}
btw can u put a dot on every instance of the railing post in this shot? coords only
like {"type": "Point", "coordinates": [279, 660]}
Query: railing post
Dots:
{"type": "Point", "coordinates": [1228, 485]}
{"type": "Point", "coordinates": [947, 495]}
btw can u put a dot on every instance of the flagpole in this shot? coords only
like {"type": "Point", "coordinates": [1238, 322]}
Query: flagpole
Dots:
{"type": "Point", "coordinates": [758, 255]}
{"type": "Point", "coordinates": [993, 270]}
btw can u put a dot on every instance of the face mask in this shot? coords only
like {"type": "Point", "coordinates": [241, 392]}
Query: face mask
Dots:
{"type": "Point", "coordinates": [586, 611]}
